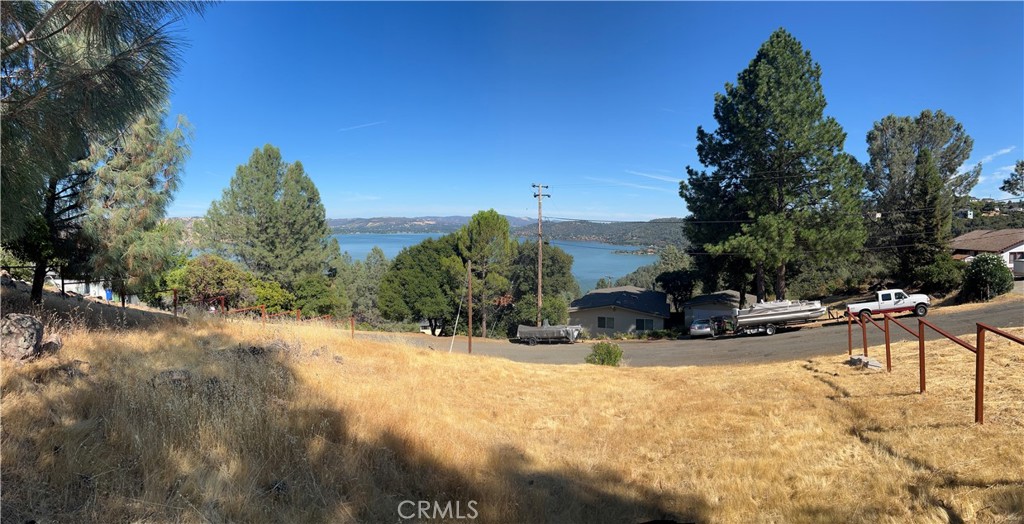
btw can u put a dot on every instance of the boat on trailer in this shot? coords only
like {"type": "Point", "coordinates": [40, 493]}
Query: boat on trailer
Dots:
{"type": "Point", "coordinates": [767, 317]}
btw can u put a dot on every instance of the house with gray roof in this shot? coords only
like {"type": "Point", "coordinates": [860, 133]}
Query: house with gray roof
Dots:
{"type": "Point", "coordinates": [625, 309]}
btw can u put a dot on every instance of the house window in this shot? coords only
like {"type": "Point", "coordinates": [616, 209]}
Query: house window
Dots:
{"type": "Point", "coordinates": [645, 324]}
{"type": "Point", "coordinates": [606, 322]}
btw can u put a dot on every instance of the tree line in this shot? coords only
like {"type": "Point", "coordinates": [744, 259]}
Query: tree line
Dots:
{"type": "Point", "coordinates": [779, 201]}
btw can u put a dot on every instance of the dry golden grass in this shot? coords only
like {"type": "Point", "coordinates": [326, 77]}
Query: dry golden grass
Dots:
{"type": "Point", "coordinates": [290, 423]}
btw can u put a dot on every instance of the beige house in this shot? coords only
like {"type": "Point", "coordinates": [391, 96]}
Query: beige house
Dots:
{"type": "Point", "coordinates": [626, 309]}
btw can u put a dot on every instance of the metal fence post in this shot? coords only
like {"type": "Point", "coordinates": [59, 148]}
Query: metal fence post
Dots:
{"type": "Point", "coordinates": [888, 351]}
{"type": "Point", "coordinates": [920, 351]}
{"type": "Point", "coordinates": [298, 315]}
{"type": "Point", "coordinates": [352, 325]}
{"type": "Point", "coordinates": [263, 314]}
{"type": "Point", "coordinates": [175, 302]}
{"type": "Point", "coordinates": [849, 332]}
{"type": "Point", "coordinates": [864, 336]}
{"type": "Point", "coordinates": [979, 378]}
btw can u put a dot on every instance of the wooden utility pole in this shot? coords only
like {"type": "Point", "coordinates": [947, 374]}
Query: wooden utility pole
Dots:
{"type": "Point", "coordinates": [540, 249]}
{"type": "Point", "coordinates": [469, 277]}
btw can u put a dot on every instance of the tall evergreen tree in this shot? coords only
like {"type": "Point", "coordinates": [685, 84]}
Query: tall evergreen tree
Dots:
{"type": "Point", "coordinates": [134, 184]}
{"type": "Point", "coordinates": [894, 146]}
{"type": "Point", "coordinates": [486, 242]}
{"type": "Point", "coordinates": [53, 234]}
{"type": "Point", "coordinates": [929, 222]}
{"type": "Point", "coordinates": [778, 166]}
{"type": "Point", "coordinates": [271, 219]}
{"type": "Point", "coordinates": [74, 73]}
{"type": "Point", "coordinates": [365, 288]}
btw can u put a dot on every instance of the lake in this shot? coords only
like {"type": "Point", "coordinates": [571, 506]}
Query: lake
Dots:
{"type": "Point", "coordinates": [591, 260]}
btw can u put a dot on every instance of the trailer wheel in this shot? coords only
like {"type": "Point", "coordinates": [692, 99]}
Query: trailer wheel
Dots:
{"type": "Point", "coordinates": [921, 310]}
{"type": "Point", "coordinates": [532, 341]}
{"type": "Point", "coordinates": [769, 330]}
{"type": "Point", "coordinates": [865, 316]}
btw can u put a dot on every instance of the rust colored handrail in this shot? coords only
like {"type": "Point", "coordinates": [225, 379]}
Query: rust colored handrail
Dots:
{"type": "Point", "coordinates": [979, 368]}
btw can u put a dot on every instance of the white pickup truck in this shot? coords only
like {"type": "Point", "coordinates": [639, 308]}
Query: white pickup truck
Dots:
{"type": "Point", "coordinates": [891, 301]}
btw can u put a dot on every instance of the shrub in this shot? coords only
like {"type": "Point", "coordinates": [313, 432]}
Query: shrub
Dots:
{"type": "Point", "coordinates": [941, 276]}
{"type": "Point", "coordinates": [605, 354]}
{"type": "Point", "coordinates": [986, 277]}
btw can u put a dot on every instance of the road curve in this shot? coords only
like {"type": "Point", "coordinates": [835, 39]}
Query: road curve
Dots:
{"type": "Point", "coordinates": [756, 349]}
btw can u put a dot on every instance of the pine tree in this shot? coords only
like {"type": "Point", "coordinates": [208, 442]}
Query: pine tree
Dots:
{"type": "Point", "coordinates": [894, 146]}
{"type": "Point", "coordinates": [926, 234]}
{"type": "Point", "coordinates": [1014, 184]}
{"type": "Point", "coordinates": [271, 219]}
{"type": "Point", "coordinates": [487, 244]}
{"type": "Point", "coordinates": [134, 184]}
{"type": "Point", "coordinates": [778, 166]}
{"type": "Point", "coordinates": [74, 73]}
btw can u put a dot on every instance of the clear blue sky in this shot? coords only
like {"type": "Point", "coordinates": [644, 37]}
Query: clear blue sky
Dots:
{"type": "Point", "coordinates": [411, 109]}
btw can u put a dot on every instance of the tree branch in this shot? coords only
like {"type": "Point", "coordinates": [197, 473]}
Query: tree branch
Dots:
{"type": "Point", "coordinates": [30, 37]}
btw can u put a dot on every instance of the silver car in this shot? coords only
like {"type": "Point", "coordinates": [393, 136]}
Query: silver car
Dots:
{"type": "Point", "coordinates": [700, 328]}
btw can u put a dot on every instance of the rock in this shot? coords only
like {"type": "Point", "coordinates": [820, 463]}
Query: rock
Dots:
{"type": "Point", "coordinates": [864, 362]}
{"type": "Point", "coordinates": [20, 337]}
{"type": "Point", "coordinates": [52, 345]}
{"type": "Point", "coordinates": [6, 280]}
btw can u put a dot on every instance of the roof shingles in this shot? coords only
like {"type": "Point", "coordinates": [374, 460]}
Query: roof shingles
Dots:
{"type": "Point", "coordinates": [654, 303]}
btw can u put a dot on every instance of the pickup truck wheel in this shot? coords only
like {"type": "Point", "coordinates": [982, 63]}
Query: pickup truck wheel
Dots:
{"type": "Point", "coordinates": [532, 341]}
{"type": "Point", "coordinates": [865, 316]}
{"type": "Point", "coordinates": [769, 330]}
{"type": "Point", "coordinates": [921, 310]}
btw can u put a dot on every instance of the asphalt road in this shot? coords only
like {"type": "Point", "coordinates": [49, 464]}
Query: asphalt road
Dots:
{"type": "Point", "coordinates": [754, 349]}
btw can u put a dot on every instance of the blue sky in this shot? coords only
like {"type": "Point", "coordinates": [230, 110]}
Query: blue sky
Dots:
{"type": "Point", "coordinates": [412, 109]}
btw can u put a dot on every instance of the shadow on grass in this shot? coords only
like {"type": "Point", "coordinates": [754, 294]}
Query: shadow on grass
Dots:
{"type": "Point", "coordinates": [233, 439]}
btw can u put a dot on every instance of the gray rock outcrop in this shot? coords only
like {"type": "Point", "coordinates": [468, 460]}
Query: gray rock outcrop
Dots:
{"type": "Point", "coordinates": [21, 337]}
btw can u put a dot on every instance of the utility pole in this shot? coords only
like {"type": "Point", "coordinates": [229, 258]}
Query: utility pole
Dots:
{"type": "Point", "coordinates": [540, 248]}
{"type": "Point", "coordinates": [469, 278]}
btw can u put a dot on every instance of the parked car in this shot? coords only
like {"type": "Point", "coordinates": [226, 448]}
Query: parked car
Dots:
{"type": "Point", "coordinates": [701, 328]}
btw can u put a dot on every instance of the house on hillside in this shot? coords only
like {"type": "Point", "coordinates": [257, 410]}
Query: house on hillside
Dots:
{"type": "Point", "coordinates": [1007, 243]}
{"type": "Point", "coordinates": [625, 309]}
{"type": "Point", "coordinates": [710, 305]}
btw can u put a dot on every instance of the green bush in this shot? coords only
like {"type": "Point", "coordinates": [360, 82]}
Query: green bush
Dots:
{"type": "Point", "coordinates": [985, 278]}
{"type": "Point", "coordinates": [605, 354]}
{"type": "Point", "coordinates": [941, 276]}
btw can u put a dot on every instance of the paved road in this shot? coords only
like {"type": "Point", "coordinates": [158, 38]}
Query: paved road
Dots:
{"type": "Point", "coordinates": [784, 346]}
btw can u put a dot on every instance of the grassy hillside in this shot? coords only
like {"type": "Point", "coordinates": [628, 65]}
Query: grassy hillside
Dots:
{"type": "Point", "coordinates": [233, 422]}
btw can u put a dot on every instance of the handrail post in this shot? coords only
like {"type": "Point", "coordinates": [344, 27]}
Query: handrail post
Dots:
{"type": "Point", "coordinates": [979, 378]}
{"type": "Point", "coordinates": [849, 332]}
{"type": "Point", "coordinates": [864, 335]}
{"type": "Point", "coordinates": [888, 351]}
{"type": "Point", "coordinates": [920, 350]}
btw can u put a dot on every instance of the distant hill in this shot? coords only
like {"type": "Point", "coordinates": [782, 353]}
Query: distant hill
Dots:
{"type": "Point", "coordinates": [659, 232]}
{"type": "Point", "coordinates": [383, 225]}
